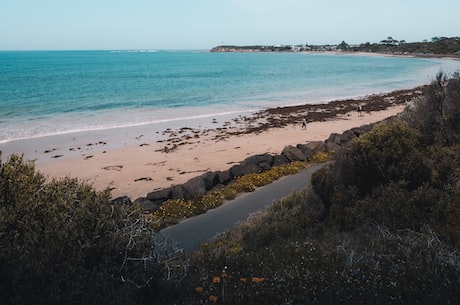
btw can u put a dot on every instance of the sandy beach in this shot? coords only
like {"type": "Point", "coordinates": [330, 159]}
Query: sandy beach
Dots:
{"type": "Point", "coordinates": [136, 160]}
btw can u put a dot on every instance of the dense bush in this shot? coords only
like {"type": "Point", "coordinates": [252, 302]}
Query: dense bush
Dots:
{"type": "Point", "coordinates": [373, 264]}
{"type": "Point", "coordinates": [437, 113]}
{"type": "Point", "coordinates": [61, 242]}
{"type": "Point", "coordinates": [390, 152]}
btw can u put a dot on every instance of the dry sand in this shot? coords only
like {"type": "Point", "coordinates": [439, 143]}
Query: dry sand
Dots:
{"type": "Point", "coordinates": [144, 164]}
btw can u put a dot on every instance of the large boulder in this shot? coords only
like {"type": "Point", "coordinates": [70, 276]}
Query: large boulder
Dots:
{"type": "Point", "coordinates": [177, 192]}
{"type": "Point", "coordinates": [210, 179]}
{"type": "Point", "coordinates": [336, 141]}
{"type": "Point", "coordinates": [358, 131]}
{"type": "Point", "coordinates": [160, 195]}
{"type": "Point", "coordinates": [280, 160]}
{"type": "Point", "coordinates": [293, 153]}
{"type": "Point", "coordinates": [147, 205]}
{"type": "Point", "coordinates": [307, 151]}
{"type": "Point", "coordinates": [347, 137]}
{"type": "Point", "coordinates": [242, 169]}
{"type": "Point", "coordinates": [198, 186]}
{"type": "Point", "coordinates": [224, 177]}
{"type": "Point", "coordinates": [263, 161]}
{"type": "Point", "coordinates": [316, 146]}
{"type": "Point", "coordinates": [253, 164]}
{"type": "Point", "coordinates": [121, 200]}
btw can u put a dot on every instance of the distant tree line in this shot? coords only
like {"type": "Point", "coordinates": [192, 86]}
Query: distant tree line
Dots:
{"type": "Point", "coordinates": [438, 46]}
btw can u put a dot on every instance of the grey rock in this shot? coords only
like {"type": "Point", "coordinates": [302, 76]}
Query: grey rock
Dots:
{"type": "Point", "coordinates": [280, 160]}
{"type": "Point", "coordinates": [293, 153]}
{"type": "Point", "coordinates": [244, 169]}
{"type": "Point", "coordinates": [146, 204]}
{"type": "Point", "coordinates": [177, 192]}
{"type": "Point", "coordinates": [160, 195]}
{"type": "Point", "coordinates": [307, 151]}
{"type": "Point", "coordinates": [359, 131]}
{"type": "Point", "coordinates": [316, 146]}
{"type": "Point", "coordinates": [210, 179]}
{"type": "Point", "coordinates": [224, 177]}
{"type": "Point", "coordinates": [121, 200]}
{"type": "Point", "coordinates": [262, 159]}
{"type": "Point", "coordinates": [194, 188]}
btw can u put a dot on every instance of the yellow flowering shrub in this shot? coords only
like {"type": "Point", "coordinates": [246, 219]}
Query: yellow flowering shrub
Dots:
{"type": "Point", "coordinates": [174, 210]}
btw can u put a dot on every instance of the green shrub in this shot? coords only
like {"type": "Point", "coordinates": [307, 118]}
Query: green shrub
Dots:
{"type": "Point", "coordinates": [437, 113]}
{"type": "Point", "coordinates": [396, 207]}
{"type": "Point", "coordinates": [390, 152]}
{"type": "Point", "coordinates": [61, 242]}
{"type": "Point", "coordinates": [443, 162]}
{"type": "Point", "coordinates": [373, 263]}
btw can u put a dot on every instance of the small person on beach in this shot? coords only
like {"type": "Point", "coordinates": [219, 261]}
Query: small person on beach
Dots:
{"type": "Point", "coordinates": [360, 110]}
{"type": "Point", "coordinates": [304, 123]}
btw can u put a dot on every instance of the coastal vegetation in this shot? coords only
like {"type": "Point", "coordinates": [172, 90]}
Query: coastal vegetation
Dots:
{"type": "Point", "coordinates": [380, 225]}
{"type": "Point", "coordinates": [62, 243]}
{"type": "Point", "coordinates": [437, 46]}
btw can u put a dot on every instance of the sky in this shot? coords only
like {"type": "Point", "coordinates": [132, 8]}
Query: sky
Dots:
{"type": "Point", "coordinates": [203, 24]}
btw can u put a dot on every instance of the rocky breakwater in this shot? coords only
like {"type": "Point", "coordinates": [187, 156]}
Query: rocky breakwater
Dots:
{"type": "Point", "coordinates": [200, 185]}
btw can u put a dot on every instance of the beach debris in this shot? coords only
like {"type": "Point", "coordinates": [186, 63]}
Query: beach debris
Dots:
{"type": "Point", "coordinates": [88, 157]}
{"type": "Point", "coordinates": [49, 150]}
{"type": "Point", "coordinates": [113, 167]}
{"type": "Point", "coordinates": [98, 143]}
{"type": "Point", "coordinates": [57, 156]}
{"type": "Point", "coordinates": [143, 179]}
{"type": "Point", "coordinates": [167, 149]}
{"type": "Point", "coordinates": [162, 163]}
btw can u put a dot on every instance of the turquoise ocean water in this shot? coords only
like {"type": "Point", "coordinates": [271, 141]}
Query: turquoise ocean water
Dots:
{"type": "Point", "coordinates": [53, 92]}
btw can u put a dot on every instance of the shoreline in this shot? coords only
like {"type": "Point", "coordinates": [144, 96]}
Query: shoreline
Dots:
{"type": "Point", "coordinates": [137, 160]}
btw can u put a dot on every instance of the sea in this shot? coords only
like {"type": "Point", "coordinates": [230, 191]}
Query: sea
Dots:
{"type": "Point", "coordinates": [46, 93]}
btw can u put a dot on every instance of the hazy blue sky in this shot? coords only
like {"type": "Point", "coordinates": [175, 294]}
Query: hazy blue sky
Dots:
{"type": "Point", "coordinates": [202, 24]}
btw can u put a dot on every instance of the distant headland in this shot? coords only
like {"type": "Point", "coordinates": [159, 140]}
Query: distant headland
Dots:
{"type": "Point", "coordinates": [437, 46]}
